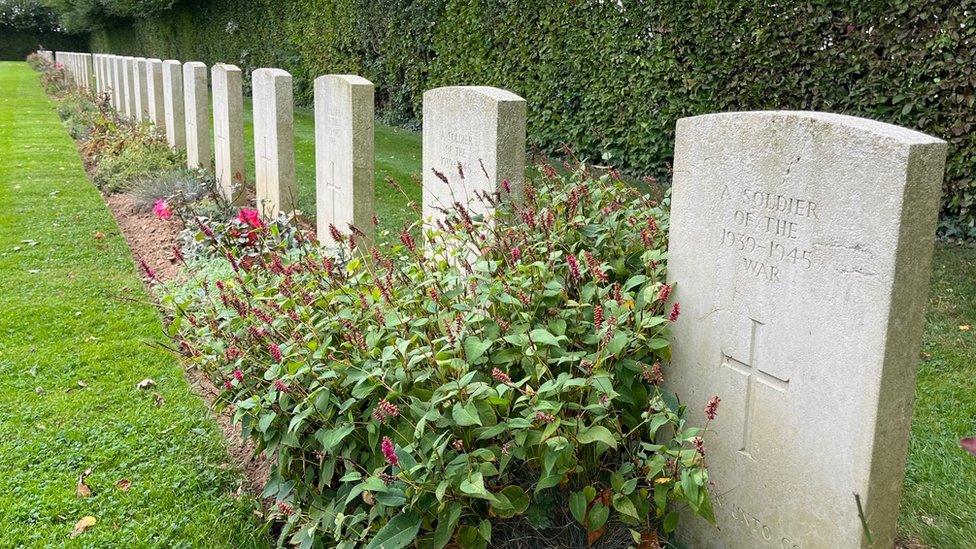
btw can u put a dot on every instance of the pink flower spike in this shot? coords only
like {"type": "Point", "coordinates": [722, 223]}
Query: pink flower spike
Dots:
{"type": "Point", "coordinates": [389, 452]}
{"type": "Point", "coordinates": [675, 311]}
{"type": "Point", "coordinates": [275, 351]}
{"type": "Point", "coordinates": [162, 211]}
{"type": "Point", "coordinates": [712, 407]}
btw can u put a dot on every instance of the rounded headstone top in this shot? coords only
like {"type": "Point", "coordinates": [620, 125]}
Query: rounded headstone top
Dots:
{"type": "Point", "coordinates": [496, 94]}
{"type": "Point", "coordinates": [864, 125]}
{"type": "Point", "coordinates": [351, 79]}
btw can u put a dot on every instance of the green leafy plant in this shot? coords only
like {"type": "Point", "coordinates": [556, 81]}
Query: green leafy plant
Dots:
{"type": "Point", "coordinates": [500, 378]}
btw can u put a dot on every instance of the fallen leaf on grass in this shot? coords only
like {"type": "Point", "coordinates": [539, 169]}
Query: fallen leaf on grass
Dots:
{"type": "Point", "coordinates": [99, 235]}
{"type": "Point", "coordinates": [145, 384]}
{"type": "Point", "coordinates": [965, 327]}
{"type": "Point", "coordinates": [83, 524]}
{"type": "Point", "coordinates": [158, 400]}
{"type": "Point", "coordinates": [969, 444]}
{"type": "Point", "coordinates": [81, 489]}
{"type": "Point", "coordinates": [123, 484]}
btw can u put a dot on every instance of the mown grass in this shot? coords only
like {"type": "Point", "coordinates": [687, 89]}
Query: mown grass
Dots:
{"type": "Point", "coordinates": [939, 504]}
{"type": "Point", "coordinates": [74, 331]}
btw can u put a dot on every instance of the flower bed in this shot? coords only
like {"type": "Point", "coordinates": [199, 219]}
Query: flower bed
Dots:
{"type": "Point", "coordinates": [501, 383]}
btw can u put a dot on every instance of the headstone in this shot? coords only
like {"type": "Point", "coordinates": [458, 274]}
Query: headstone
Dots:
{"type": "Point", "coordinates": [139, 86]}
{"type": "Point", "coordinates": [228, 116]}
{"type": "Point", "coordinates": [154, 93]}
{"type": "Point", "coordinates": [344, 192]}
{"type": "Point", "coordinates": [801, 246]}
{"type": "Point", "coordinates": [173, 103]}
{"type": "Point", "coordinates": [86, 59]}
{"type": "Point", "coordinates": [118, 89]}
{"type": "Point", "coordinates": [196, 105]}
{"type": "Point", "coordinates": [274, 151]}
{"type": "Point", "coordinates": [483, 129]}
{"type": "Point", "coordinates": [128, 87]}
{"type": "Point", "coordinates": [97, 69]}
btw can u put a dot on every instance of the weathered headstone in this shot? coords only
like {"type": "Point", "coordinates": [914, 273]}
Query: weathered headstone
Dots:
{"type": "Point", "coordinates": [154, 93]}
{"type": "Point", "coordinates": [196, 105]}
{"type": "Point", "coordinates": [483, 129]}
{"type": "Point", "coordinates": [801, 245]}
{"type": "Point", "coordinates": [97, 69]}
{"type": "Point", "coordinates": [173, 103]}
{"type": "Point", "coordinates": [117, 91]}
{"type": "Point", "coordinates": [228, 116]}
{"type": "Point", "coordinates": [129, 87]}
{"type": "Point", "coordinates": [86, 59]}
{"type": "Point", "coordinates": [274, 151]}
{"type": "Point", "coordinates": [344, 191]}
{"type": "Point", "coordinates": [140, 90]}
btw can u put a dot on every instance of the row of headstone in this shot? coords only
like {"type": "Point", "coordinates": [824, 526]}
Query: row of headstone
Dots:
{"type": "Point", "coordinates": [77, 66]}
{"type": "Point", "coordinates": [46, 55]}
{"type": "Point", "coordinates": [801, 244]}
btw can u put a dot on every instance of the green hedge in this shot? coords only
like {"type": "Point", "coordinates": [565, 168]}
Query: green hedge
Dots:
{"type": "Point", "coordinates": [611, 81]}
{"type": "Point", "coordinates": [16, 45]}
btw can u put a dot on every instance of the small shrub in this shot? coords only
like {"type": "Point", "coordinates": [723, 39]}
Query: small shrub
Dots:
{"type": "Point", "coordinates": [116, 173]}
{"type": "Point", "coordinates": [412, 399]}
{"type": "Point", "coordinates": [177, 186]}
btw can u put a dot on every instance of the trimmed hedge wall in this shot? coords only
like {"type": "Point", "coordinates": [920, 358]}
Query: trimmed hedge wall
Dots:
{"type": "Point", "coordinates": [610, 81]}
{"type": "Point", "coordinates": [16, 45]}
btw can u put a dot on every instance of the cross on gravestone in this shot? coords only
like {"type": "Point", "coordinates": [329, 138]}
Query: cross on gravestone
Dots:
{"type": "Point", "coordinates": [753, 375]}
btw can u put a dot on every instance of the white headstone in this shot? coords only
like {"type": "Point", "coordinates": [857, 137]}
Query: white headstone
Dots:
{"type": "Point", "coordinates": [97, 70]}
{"type": "Point", "coordinates": [118, 88]}
{"type": "Point", "coordinates": [228, 116]}
{"type": "Point", "coordinates": [483, 129]}
{"type": "Point", "coordinates": [140, 90]}
{"type": "Point", "coordinates": [801, 246]}
{"type": "Point", "coordinates": [154, 93]}
{"type": "Point", "coordinates": [129, 87]}
{"type": "Point", "coordinates": [173, 103]}
{"type": "Point", "coordinates": [196, 105]}
{"type": "Point", "coordinates": [274, 151]}
{"type": "Point", "coordinates": [344, 191]}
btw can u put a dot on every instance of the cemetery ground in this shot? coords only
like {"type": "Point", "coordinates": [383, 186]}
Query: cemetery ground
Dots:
{"type": "Point", "coordinates": [76, 321]}
{"type": "Point", "coordinates": [74, 326]}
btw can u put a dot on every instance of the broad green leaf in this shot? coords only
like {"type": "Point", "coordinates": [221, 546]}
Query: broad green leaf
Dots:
{"type": "Point", "coordinates": [399, 532]}
{"type": "Point", "coordinates": [330, 438]}
{"type": "Point", "coordinates": [671, 521]}
{"type": "Point", "coordinates": [577, 506]}
{"type": "Point", "coordinates": [597, 517]}
{"type": "Point", "coordinates": [465, 416]}
{"type": "Point", "coordinates": [542, 336]}
{"type": "Point", "coordinates": [597, 433]}
{"type": "Point", "coordinates": [475, 348]}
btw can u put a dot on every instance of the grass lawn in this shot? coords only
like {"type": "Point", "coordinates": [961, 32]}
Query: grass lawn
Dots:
{"type": "Point", "coordinates": [939, 505]}
{"type": "Point", "coordinates": [74, 327]}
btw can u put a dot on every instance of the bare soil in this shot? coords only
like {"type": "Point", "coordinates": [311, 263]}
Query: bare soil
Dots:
{"type": "Point", "coordinates": [153, 240]}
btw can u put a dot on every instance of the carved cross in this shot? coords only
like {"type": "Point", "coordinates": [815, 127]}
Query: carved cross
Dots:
{"type": "Point", "coordinates": [753, 374]}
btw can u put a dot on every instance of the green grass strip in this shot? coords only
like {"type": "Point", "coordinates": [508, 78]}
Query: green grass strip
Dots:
{"type": "Point", "coordinates": [75, 325]}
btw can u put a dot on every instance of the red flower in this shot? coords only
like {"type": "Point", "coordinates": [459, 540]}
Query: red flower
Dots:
{"type": "Point", "coordinates": [516, 254]}
{"type": "Point", "coordinates": [251, 217]}
{"type": "Point", "coordinates": [574, 270]}
{"type": "Point", "coordinates": [507, 186]}
{"type": "Point", "coordinates": [227, 385]}
{"type": "Point", "coordinates": [148, 271]}
{"type": "Point", "coordinates": [385, 410]}
{"type": "Point", "coordinates": [238, 375]}
{"type": "Point", "coordinates": [500, 376]}
{"type": "Point", "coordinates": [598, 317]}
{"type": "Point", "coordinates": [389, 452]}
{"type": "Point", "coordinates": [275, 351]}
{"type": "Point", "coordinates": [281, 386]}
{"type": "Point", "coordinates": [712, 407]}
{"type": "Point", "coordinates": [675, 311]}
{"type": "Point", "coordinates": [162, 211]}
{"type": "Point", "coordinates": [699, 445]}
{"type": "Point", "coordinates": [664, 293]}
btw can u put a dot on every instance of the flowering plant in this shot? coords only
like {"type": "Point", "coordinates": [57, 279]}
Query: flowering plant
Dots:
{"type": "Point", "coordinates": [509, 373]}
